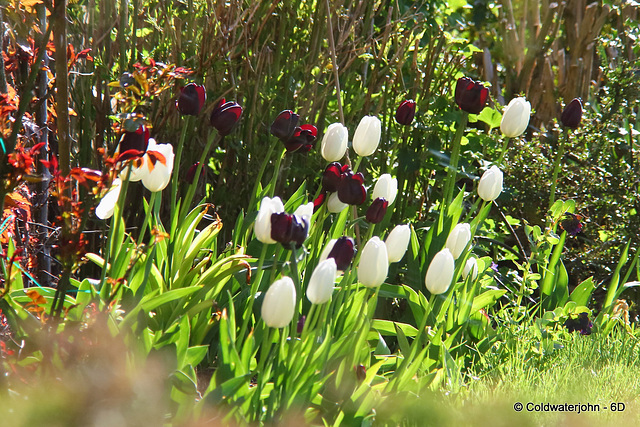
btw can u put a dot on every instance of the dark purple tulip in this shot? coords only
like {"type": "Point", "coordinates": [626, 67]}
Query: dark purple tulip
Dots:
{"type": "Point", "coordinates": [582, 324]}
{"type": "Point", "coordinates": [406, 112]}
{"type": "Point", "coordinates": [377, 210]}
{"type": "Point", "coordinates": [287, 229]}
{"type": "Point", "coordinates": [351, 189]}
{"type": "Point", "coordinates": [343, 251]}
{"type": "Point", "coordinates": [301, 322]}
{"type": "Point", "coordinates": [225, 116]}
{"type": "Point", "coordinates": [302, 140]}
{"type": "Point", "coordinates": [572, 114]}
{"type": "Point", "coordinates": [191, 100]}
{"type": "Point", "coordinates": [319, 201]}
{"type": "Point", "coordinates": [471, 96]}
{"type": "Point", "coordinates": [331, 177]}
{"type": "Point", "coordinates": [284, 126]}
{"type": "Point", "coordinates": [191, 173]}
{"type": "Point", "coordinates": [572, 224]}
{"type": "Point", "coordinates": [137, 140]}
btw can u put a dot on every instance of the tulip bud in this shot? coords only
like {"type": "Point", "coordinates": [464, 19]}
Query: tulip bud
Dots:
{"type": "Point", "coordinates": [342, 250]}
{"type": "Point", "coordinates": [376, 211]}
{"type": "Point", "coordinates": [302, 140]}
{"type": "Point", "coordinates": [490, 185]}
{"type": "Point", "coordinates": [285, 125]}
{"type": "Point", "coordinates": [191, 100]}
{"type": "Point", "coordinates": [225, 116]}
{"type": "Point", "coordinates": [279, 303]}
{"type": "Point", "coordinates": [572, 114]}
{"type": "Point", "coordinates": [300, 326]}
{"type": "Point", "coordinates": [191, 173]}
{"type": "Point", "coordinates": [107, 205]}
{"type": "Point", "coordinates": [351, 189]}
{"type": "Point", "coordinates": [386, 187]}
{"type": "Point", "coordinates": [318, 201]}
{"type": "Point", "coordinates": [334, 205]}
{"type": "Point", "coordinates": [470, 267]}
{"type": "Point", "coordinates": [397, 242]}
{"type": "Point", "coordinates": [515, 118]}
{"type": "Point", "coordinates": [334, 142]}
{"type": "Point", "coordinates": [321, 282]}
{"type": "Point", "coordinates": [287, 229]}
{"type": "Point", "coordinates": [458, 239]}
{"type": "Point", "coordinates": [367, 136]}
{"type": "Point", "coordinates": [374, 263]}
{"type": "Point", "coordinates": [262, 225]}
{"type": "Point", "coordinates": [406, 112]}
{"type": "Point", "coordinates": [440, 272]}
{"type": "Point", "coordinates": [159, 167]}
{"type": "Point", "coordinates": [471, 96]}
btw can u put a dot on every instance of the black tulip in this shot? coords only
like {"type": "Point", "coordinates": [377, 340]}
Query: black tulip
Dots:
{"type": "Point", "coordinates": [343, 251]}
{"type": "Point", "coordinates": [284, 126]}
{"type": "Point", "coordinates": [351, 190]}
{"type": "Point", "coordinates": [471, 96]}
{"type": "Point", "coordinates": [377, 210]}
{"type": "Point", "coordinates": [406, 112]}
{"type": "Point", "coordinates": [572, 114]}
{"type": "Point", "coordinates": [225, 116]}
{"type": "Point", "coordinates": [191, 100]}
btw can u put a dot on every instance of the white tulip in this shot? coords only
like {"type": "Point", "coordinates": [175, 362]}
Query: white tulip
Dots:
{"type": "Point", "coordinates": [386, 187]}
{"type": "Point", "coordinates": [490, 185]}
{"type": "Point", "coordinates": [262, 225]}
{"type": "Point", "coordinates": [367, 136]}
{"type": "Point", "coordinates": [440, 272]}
{"type": "Point", "coordinates": [279, 303]}
{"type": "Point", "coordinates": [458, 239]}
{"type": "Point", "coordinates": [397, 242]}
{"type": "Point", "coordinates": [105, 208]}
{"type": "Point", "coordinates": [334, 205]}
{"type": "Point", "coordinates": [334, 142]}
{"type": "Point", "coordinates": [374, 263]}
{"type": "Point", "coordinates": [327, 249]}
{"type": "Point", "coordinates": [305, 212]}
{"type": "Point", "coordinates": [321, 282]}
{"type": "Point", "coordinates": [159, 173]}
{"type": "Point", "coordinates": [516, 117]}
{"type": "Point", "coordinates": [470, 267]}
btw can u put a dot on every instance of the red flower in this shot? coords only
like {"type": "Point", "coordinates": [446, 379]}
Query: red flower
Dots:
{"type": "Point", "coordinates": [572, 114]}
{"type": "Point", "coordinates": [225, 116]}
{"type": "Point", "coordinates": [191, 100]}
{"type": "Point", "coordinates": [377, 210]}
{"type": "Point", "coordinates": [471, 96]}
{"type": "Point", "coordinates": [406, 112]}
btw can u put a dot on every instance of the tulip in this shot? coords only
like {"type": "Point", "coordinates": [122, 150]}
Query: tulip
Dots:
{"type": "Point", "coordinates": [288, 229]}
{"type": "Point", "coordinates": [225, 116]}
{"type": "Point", "coordinates": [300, 326]}
{"type": "Point", "coordinates": [334, 204]}
{"type": "Point", "coordinates": [515, 118]}
{"type": "Point", "coordinates": [374, 263]}
{"type": "Point", "coordinates": [397, 242]}
{"type": "Point", "coordinates": [572, 114]}
{"type": "Point", "coordinates": [470, 267]}
{"type": "Point", "coordinates": [342, 250]}
{"type": "Point", "coordinates": [318, 201]}
{"type": "Point", "coordinates": [367, 136]}
{"type": "Point", "coordinates": [377, 210]}
{"type": "Point", "coordinates": [305, 212]}
{"type": "Point", "coordinates": [262, 225]}
{"type": "Point", "coordinates": [386, 187]}
{"type": "Point", "coordinates": [137, 140]}
{"type": "Point", "coordinates": [321, 282]}
{"type": "Point", "coordinates": [332, 176]}
{"type": "Point", "coordinates": [107, 205]}
{"type": "Point", "coordinates": [471, 96]}
{"type": "Point", "coordinates": [285, 125]}
{"type": "Point", "coordinates": [440, 272]}
{"type": "Point", "coordinates": [406, 112]}
{"type": "Point", "coordinates": [490, 185]}
{"type": "Point", "coordinates": [334, 142]}
{"type": "Point", "coordinates": [302, 140]}
{"type": "Point", "coordinates": [191, 173]}
{"type": "Point", "coordinates": [279, 303]}
{"type": "Point", "coordinates": [351, 189]}
{"type": "Point", "coordinates": [191, 100]}
{"type": "Point", "coordinates": [458, 239]}
{"type": "Point", "coordinates": [159, 167]}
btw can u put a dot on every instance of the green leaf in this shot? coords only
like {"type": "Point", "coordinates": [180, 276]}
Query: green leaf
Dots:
{"type": "Point", "coordinates": [490, 116]}
{"type": "Point", "coordinates": [582, 293]}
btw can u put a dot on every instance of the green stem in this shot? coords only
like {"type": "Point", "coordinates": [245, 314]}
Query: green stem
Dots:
{"type": "Point", "coordinates": [503, 151]}
{"type": "Point", "coordinates": [186, 203]}
{"type": "Point", "coordinates": [266, 160]}
{"type": "Point", "coordinates": [176, 163]}
{"type": "Point", "coordinates": [276, 171]}
{"type": "Point", "coordinates": [556, 166]}
{"type": "Point", "coordinates": [455, 157]}
{"type": "Point", "coordinates": [255, 284]}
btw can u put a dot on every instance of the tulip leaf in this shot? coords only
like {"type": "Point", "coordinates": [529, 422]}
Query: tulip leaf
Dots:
{"type": "Point", "coordinates": [490, 116]}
